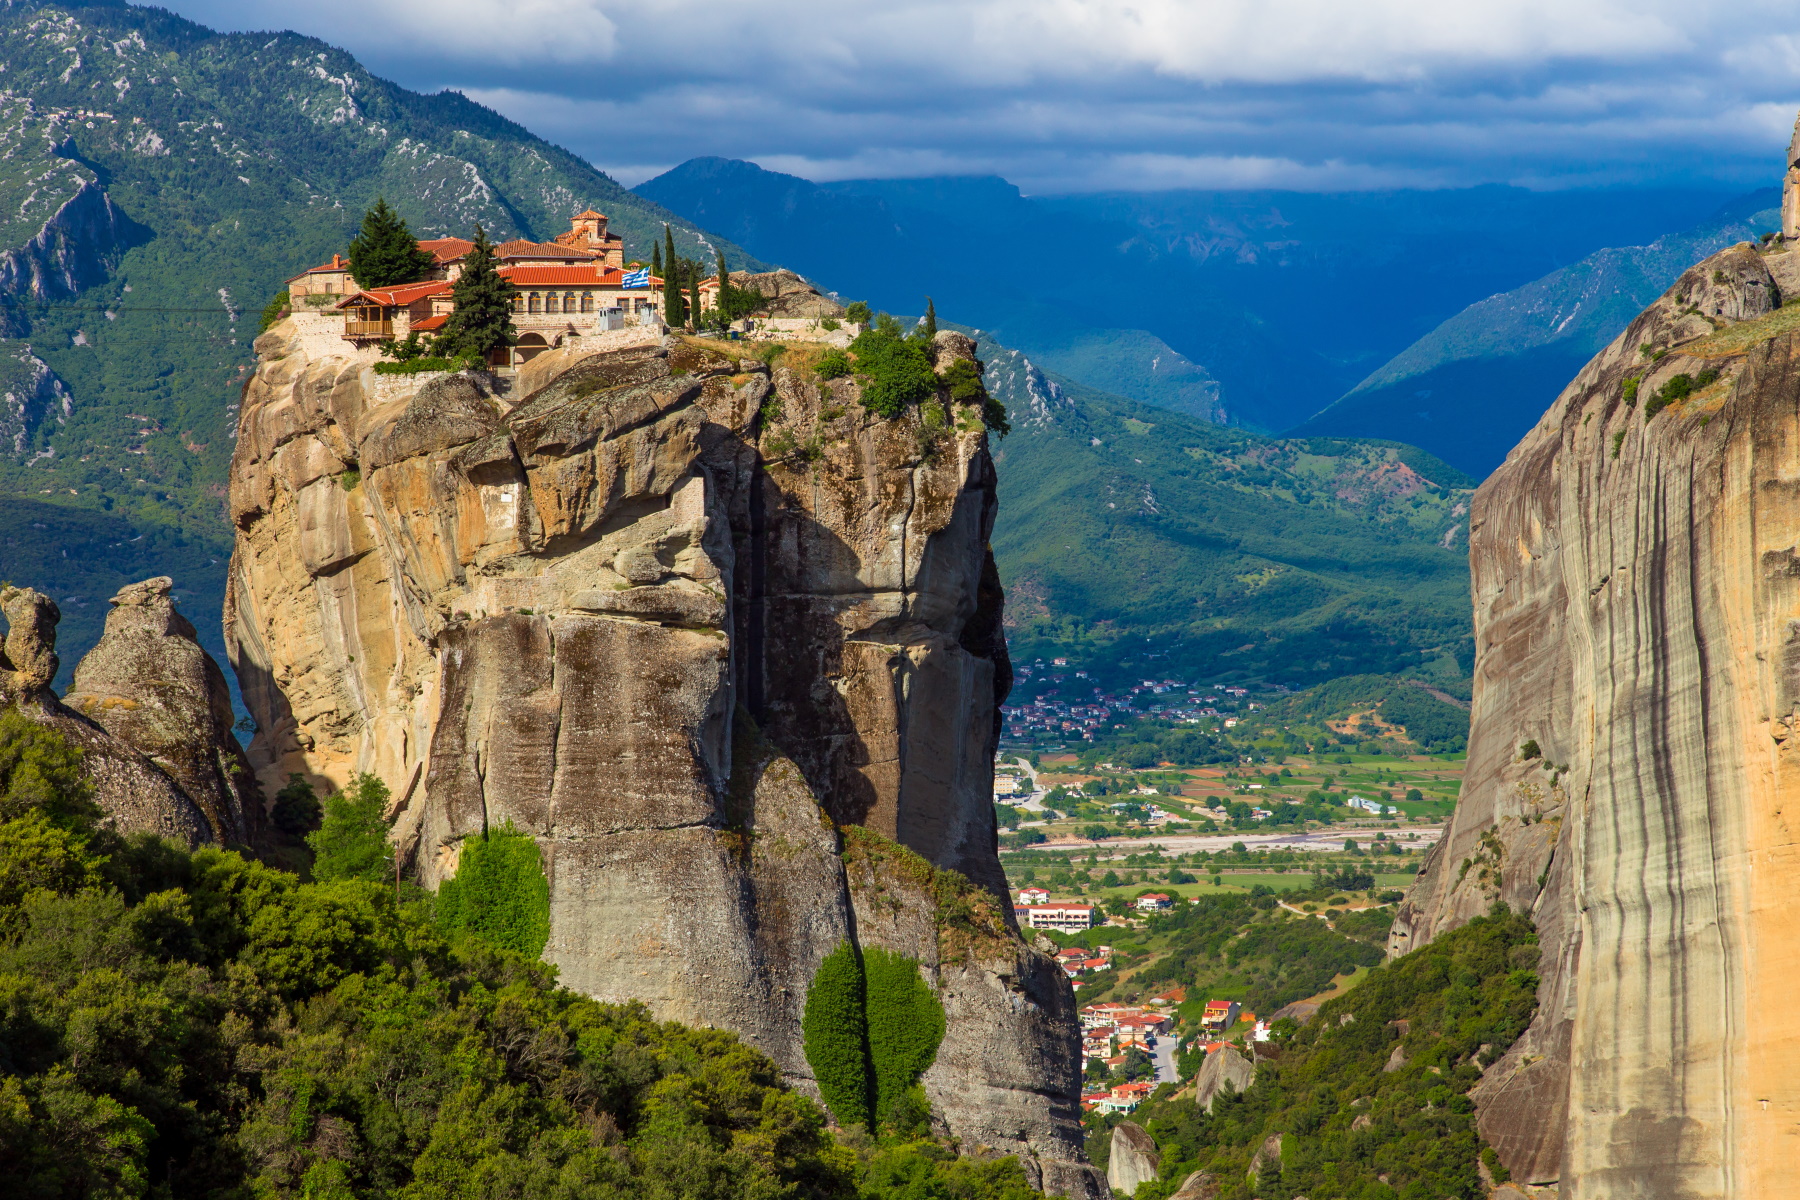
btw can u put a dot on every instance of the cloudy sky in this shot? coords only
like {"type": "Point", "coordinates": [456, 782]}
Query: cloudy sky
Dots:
{"type": "Point", "coordinates": [1080, 95]}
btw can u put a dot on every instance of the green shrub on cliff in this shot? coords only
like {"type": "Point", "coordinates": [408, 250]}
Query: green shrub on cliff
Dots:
{"type": "Point", "coordinates": [906, 1025]}
{"type": "Point", "coordinates": [500, 892]}
{"type": "Point", "coordinates": [836, 1036]}
{"type": "Point", "coordinates": [896, 368]}
{"type": "Point", "coordinates": [872, 1027]}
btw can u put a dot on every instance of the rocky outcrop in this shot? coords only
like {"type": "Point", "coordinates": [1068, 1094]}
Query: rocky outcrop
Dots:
{"type": "Point", "coordinates": [787, 295]}
{"type": "Point", "coordinates": [1201, 1185]}
{"type": "Point", "coordinates": [135, 794]}
{"type": "Point", "coordinates": [76, 248]}
{"type": "Point", "coordinates": [149, 684]}
{"type": "Point", "coordinates": [692, 622]}
{"type": "Point", "coordinates": [1132, 1160]}
{"type": "Point", "coordinates": [1637, 684]}
{"type": "Point", "coordinates": [1222, 1066]}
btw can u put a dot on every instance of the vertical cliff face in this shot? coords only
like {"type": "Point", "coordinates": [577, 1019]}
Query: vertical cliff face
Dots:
{"type": "Point", "coordinates": [683, 618]}
{"type": "Point", "coordinates": [1632, 755]}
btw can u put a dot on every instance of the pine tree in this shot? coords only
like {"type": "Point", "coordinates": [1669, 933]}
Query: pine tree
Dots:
{"type": "Point", "coordinates": [930, 319]}
{"type": "Point", "coordinates": [674, 307]}
{"type": "Point", "coordinates": [385, 252]}
{"type": "Point", "coordinates": [482, 322]}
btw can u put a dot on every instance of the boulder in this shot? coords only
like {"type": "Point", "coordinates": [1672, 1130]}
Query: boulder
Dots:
{"type": "Point", "coordinates": [149, 683]}
{"type": "Point", "coordinates": [1201, 1185]}
{"type": "Point", "coordinates": [1134, 1159]}
{"type": "Point", "coordinates": [1222, 1066]}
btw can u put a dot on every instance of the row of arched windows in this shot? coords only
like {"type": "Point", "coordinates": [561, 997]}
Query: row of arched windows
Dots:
{"type": "Point", "coordinates": [553, 302]}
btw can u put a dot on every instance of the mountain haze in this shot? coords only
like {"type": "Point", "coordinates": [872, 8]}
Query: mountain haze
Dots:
{"type": "Point", "coordinates": [1472, 386]}
{"type": "Point", "coordinates": [1278, 302]}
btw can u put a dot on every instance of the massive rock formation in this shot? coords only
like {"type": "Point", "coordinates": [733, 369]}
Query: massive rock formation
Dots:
{"type": "Point", "coordinates": [728, 646]}
{"type": "Point", "coordinates": [158, 730]}
{"type": "Point", "coordinates": [1637, 688]}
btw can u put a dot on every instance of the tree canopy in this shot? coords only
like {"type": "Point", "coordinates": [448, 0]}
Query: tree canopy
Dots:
{"type": "Point", "coordinates": [385, 252]}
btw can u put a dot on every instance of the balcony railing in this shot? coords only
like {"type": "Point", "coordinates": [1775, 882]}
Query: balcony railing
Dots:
{"type": "Point", "coordinates": [368, 329]}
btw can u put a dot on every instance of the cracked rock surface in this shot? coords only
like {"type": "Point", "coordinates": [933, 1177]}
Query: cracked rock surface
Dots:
{"type": "Point", "coordinates": [686, 619]}
{"type": "Point", "coordinates": [1632, 758]}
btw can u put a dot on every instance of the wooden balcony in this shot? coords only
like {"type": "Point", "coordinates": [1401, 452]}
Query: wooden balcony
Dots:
{"type": "Point", "coordinates": [368, 330]}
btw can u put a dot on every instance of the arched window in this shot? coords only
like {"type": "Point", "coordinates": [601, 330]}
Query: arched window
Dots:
{"type": "Point", "coordinates": [536, 303]}
{"type": "Point", "coordinates": [568, 302]}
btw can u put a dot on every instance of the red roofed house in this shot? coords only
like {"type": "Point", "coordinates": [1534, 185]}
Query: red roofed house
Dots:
{"type": "Point", "coordinates": [1153, 902]}
{"type": "Point", "coordinates": [1220, 1014]}
{"type": "Point", "coordinates": [1033, 895]}
{"type": "Point", "coordinates": [587, 231]}
{"type": "Point", "coordinates": [327, 279]}
{"type": "Point", "coordinates": [381, 313]}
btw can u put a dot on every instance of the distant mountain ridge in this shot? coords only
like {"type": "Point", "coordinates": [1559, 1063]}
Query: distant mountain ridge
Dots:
{"type": "Point", "coordinates": [1471, 387]}
{"type": "Point", "coordinates": [1258, 307]}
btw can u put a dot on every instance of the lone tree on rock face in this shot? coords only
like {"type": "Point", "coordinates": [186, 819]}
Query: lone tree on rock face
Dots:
{"type": "Point", "coordinates": [385, 252]}
{"type": "Point", "coordinates": [482, 322]}
{"type": "Point", "coordinates": [674, 307]}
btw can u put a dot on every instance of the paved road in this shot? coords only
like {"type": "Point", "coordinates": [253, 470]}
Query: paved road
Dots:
{"type": "Point", "coordinates": [1165, 1059]}
{"type": "Point", "coordinates": [1321, 841]}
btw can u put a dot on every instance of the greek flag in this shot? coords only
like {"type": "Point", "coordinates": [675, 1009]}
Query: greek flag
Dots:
{"type": "Point", "coordinates": [636, 279]}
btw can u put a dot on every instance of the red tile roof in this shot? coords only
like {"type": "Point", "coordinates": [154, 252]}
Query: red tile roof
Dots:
{"type": "Point", "coordinates": [404, 293]}
{"type": "Point", "coordinates": [446, 249]}
{"type": "Point", "coordinates": [585, 275]}
{"type": "Point", "coordinates": [589, 215]}
{"type": "Point", "coordinates": [430, 323]}
{"type": "Point", "coordinates": [520, 248]}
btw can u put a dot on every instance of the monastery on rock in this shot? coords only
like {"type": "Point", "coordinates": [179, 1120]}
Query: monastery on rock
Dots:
{"type": "Point", "coordinates": [572, 286]}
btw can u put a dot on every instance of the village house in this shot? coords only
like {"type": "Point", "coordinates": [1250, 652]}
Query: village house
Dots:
{"type": "Point", "coordinates": [1033, 895]}
{"type": "Point", "coordinates": [1067, 917]}
{"type": "Point", "coordinates": [1154, 902]}
{"type": "Point", "coordinates": [1220, 1015]}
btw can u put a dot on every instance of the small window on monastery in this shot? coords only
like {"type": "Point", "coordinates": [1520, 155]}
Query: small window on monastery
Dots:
{"type": "Point", "coordinates": [536, 303]}
{"type": "Point", "coordinates": [587, 302]}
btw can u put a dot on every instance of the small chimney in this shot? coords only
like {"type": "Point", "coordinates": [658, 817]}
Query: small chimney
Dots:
{"type": "Point", "coordinates": [337, 260]}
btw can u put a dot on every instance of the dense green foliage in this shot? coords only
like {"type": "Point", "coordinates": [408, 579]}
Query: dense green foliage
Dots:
{"type": "Point", "coordinates": [1127, 532]}
{"type": "Point", "coordinates": [351, 841]}
{"type": "Point", "coordinates": [201, 1025]}
{"type": "Point", "coordinates": [905, 1025]}
{"type": "Point", "coordinates": [500, 892]}
{"type": "Point", "coordinates": [482, 321]}
{"type": "Point", "coordinates": [835, 1030]}
{"type": "Point", "coordinates": [872, 1027]}
{"type": "Point", "coordinates": [896, 369]}
{"type": "Point", "coordinates": [385, 252]}
{"type": "Point", "coordinates": [1463, 998]}
{"type": "Point", "coordinates": [1677, 387]}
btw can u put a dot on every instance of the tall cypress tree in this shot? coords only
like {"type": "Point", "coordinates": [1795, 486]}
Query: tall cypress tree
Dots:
{"type": "Point", "coordinates": [694, 291]}
{"type": "Point", "coordinates": [656, 259]}
{"type": "Point", "coordinates": [674, 307]}
{"type": "Point", "coordinates": [930, 319]}
{"type": "Point", "coordinates": [727, 310]}
{"type": "Point", "coordinates": [385, 252]}
{"type": "Point", "coordinates": [482, 322]}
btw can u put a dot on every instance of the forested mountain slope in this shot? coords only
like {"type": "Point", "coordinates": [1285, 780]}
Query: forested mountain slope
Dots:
{"type": "Point", "coordinates": [1291, 559]}
{"type": "Point", "coordinates": [159, 181]}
